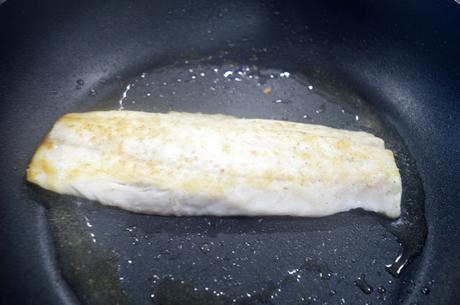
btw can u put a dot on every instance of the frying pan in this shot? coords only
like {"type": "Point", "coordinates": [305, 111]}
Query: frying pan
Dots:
{"type": "Point", "coordinates": [392, 68]}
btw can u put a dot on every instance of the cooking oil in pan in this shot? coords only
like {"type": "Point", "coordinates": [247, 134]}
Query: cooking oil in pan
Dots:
{"type": "Point", "coordinates": [113, 256]}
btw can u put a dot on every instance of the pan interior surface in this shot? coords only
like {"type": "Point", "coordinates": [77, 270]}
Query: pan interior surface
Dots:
{"type": "Point", "coordinates": [364, 65]}
{"type": "Point", "coordinates": [108, 254]}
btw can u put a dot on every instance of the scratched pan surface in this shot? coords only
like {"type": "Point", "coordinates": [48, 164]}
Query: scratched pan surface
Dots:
{"type": "Point", "coordinates": [392, 69]}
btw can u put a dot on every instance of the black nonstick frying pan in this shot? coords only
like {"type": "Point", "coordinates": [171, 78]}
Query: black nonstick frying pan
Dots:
{"type": "Point", "coordinates": [387, 67]}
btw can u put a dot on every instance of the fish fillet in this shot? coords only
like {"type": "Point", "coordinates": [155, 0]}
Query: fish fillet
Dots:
{"type": "Point", "coordinates": [199, 164]}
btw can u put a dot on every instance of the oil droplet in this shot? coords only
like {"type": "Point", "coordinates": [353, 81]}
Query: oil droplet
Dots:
{"type": "Point", "coordinates": [312, 299]}
{"type": "Point", "coordinates": [281, 101]}
{"type": "Point", "coordinates": [321, 267]}
{"type": "Point", "coordinates": [363, 285]}
{"type": "Point", "coordinates": [130, 229]}
{"type": "Point", "coordinates": [292, 271]}
{"type": "Point", "coordinates": [123, 97]}
{"type": "Point", "coordinates": [88, 224]}
{"type": "Point", "coordinates": [325, 275]}
{"type": "Point", "coordinates": [228, 73]}
{"type": "Point", "coordinates": [285, 74]}
{"type": "Point", "coordinates": [381, 289]}
{"type": "Point", "coordinates": [425, 290]}
{"type": "Point", "coordinates": [321, 109]}
{"type": "Point", "coordinates": [205, 248]}
{"type": "Point", "coordinates": [92, 92]}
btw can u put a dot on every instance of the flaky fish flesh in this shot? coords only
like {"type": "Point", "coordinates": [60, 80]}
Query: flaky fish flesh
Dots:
{"type": "Point", "coordinates": [199, 164]}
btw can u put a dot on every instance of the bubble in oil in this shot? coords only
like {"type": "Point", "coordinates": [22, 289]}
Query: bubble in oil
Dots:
{"type": "Point", "coordinates": [362, 284]}
{"type": "Point", "coordinates": [281, 101]}
{"type": "Point", "coordinates": [425, 290]}
{"type": "Point", "coordinates": [321, 109]}
{"type": "Point", "coordinates": [205, 248]}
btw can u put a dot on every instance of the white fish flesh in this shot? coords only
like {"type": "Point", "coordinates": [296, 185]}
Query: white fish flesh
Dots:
{"type": "Point", "coordinates": [199, 164]}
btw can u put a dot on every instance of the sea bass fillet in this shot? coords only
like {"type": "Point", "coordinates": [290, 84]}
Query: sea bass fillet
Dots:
{"type": "Point", "coordinates": [199, 164]}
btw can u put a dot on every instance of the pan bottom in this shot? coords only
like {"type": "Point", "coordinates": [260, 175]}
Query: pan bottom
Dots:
{"type": "Point", "coordinates": [108, 254]}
